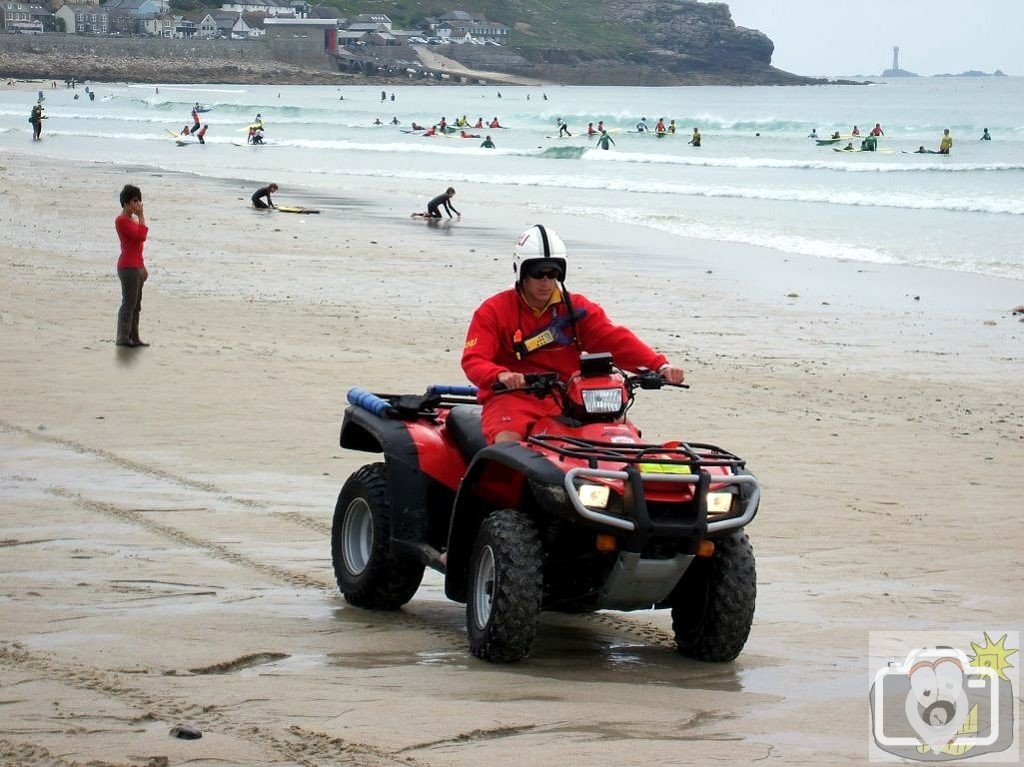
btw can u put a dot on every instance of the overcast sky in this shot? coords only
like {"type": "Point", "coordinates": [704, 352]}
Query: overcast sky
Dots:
{"type": "Point", "coordinates": [823, 37]}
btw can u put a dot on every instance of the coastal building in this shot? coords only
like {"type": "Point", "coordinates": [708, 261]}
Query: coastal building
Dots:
{"type": "Point", "coordinates": [83, 19]}
{"type": "Point", "coordinates": [25, 18]}
{"type": "Point", "coordinates": [462, 26]}
{"type": "Point", "coordinates": [137, 7]}
{"type": "Point", "coordinates": [302, 41]}
{"type": "Point", "coordinates": [265, 7]}
{"type": "Point", "coordinates": [227, 25]}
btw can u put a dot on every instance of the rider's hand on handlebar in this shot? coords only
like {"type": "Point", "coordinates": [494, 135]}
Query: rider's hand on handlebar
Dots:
{"type": "Point", "coordinates": [672, 374]}
{"type": "Point", "coordinates": [511, 380]}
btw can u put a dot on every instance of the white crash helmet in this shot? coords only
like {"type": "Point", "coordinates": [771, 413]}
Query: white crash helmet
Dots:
{"type": "Point", "coordinates": [538, 243]}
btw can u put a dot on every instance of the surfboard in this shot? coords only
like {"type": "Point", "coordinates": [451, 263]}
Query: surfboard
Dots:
{"type": "Point", "coordinates": [183, 142]}
{"type": "Point", "coordinates": [172, 134]}
{"type": "Point", "coordinates": [858, 149]}
{"type": "Point", "coordinates": [296, 209]}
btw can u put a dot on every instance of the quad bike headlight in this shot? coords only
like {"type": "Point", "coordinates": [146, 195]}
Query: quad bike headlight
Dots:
{"type": "Point", "coordinates": [719, 503]}
{"type": "Point", "coordinates": [602, 400]}
{"type": "Point", "coordinates": [594, 496]}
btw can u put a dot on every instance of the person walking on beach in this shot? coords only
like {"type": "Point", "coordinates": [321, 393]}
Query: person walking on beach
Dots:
{"type": "Point", "coordinates": [441, 201]}
{"type": "Point", "coordinates": [604, 140]}
{"type": "Point", "coordinates": [537, 326]}
{"type": "Point", "coordinates": [131, 269]}
{"type": "Point", "coordinates": [36, 117]}
{"type": "Point", "coordinates": [946, 143]}
{"type": "Point", "coordinates": [264, 193]}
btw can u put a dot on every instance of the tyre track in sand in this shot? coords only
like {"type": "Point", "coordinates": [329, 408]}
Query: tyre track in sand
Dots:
{"type": "Point", "coordinates": [648, 633]}
{"type": "Point", "coordinates": [215, 550]}
{"type": "Point", "coordinates": [295, 744]}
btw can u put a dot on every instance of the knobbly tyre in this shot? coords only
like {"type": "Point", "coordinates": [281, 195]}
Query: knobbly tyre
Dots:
{"type": "Point", "coordinates": [583, 515]}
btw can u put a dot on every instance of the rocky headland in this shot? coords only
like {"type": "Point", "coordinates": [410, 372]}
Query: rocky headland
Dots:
{"type": "Point", "coordinates": [681, 42]}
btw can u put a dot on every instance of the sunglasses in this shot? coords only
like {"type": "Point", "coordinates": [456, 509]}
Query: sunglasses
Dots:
{"type": "Point", "coordinates": [539, 273]}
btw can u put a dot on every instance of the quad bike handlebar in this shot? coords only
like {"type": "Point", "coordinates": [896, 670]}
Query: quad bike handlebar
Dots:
{"type": "Point", "coordinates": [543, 384]}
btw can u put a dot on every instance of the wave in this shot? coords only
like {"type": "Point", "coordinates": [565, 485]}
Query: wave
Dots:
{"type": "Point", "coordinates": [560, 152]}
{"type": "Point", "coordinates": [769, 162]}
{"type": "Point", "coordinates": [872, 199]}
{"type": "Point", "coordinates": [702, 230]}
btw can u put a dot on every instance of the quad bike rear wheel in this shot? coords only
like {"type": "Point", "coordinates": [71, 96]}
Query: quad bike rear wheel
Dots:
{"type": "Point", "coordinates": [505, 587]}
{"type": "Point", "coordinates": [713, 605]}
{"type": "Point", "coordinates": [368, 573]}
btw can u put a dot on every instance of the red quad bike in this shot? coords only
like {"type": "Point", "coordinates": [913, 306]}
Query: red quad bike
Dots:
{"type": "Point", "coordinates": [583, 515]}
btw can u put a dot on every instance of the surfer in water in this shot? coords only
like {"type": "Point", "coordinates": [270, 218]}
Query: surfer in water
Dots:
{"type": "Point", "coordinates": [695, 139]}
{"type": "Point", "coordinates": [605, 140]}
{"type": "Point", "coordinates": [264, 192]}
{"type": "Point", "coordinates": [946, 143]}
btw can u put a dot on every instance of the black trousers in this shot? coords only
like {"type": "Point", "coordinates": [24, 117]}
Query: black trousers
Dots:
{"type": "Point", "coordinates": [131, 304]}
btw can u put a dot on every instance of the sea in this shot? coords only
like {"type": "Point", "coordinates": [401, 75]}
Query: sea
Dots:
{"type": "Point", "coordinates": [757, 179]}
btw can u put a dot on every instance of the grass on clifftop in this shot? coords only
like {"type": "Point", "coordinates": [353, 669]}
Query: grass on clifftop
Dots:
{"type": "Point", "coordinates": [558, 24]}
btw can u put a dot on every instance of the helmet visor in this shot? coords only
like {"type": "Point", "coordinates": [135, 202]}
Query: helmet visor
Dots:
{"type": "Point", "coordinates": [540, 268]}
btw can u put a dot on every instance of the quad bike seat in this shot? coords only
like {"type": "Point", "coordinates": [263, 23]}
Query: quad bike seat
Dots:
{"type": "Point", "coordinates": [464, 423]}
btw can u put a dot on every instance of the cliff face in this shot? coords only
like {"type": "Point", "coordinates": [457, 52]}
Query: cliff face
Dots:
{"type": "Point", "coordinates": [688, 43]}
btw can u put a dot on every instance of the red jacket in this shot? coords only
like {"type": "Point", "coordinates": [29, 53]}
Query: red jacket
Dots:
{"type": "Point", "coordinates": [132, 234]}
{"type": "Point", "coordinates": [505, 318]}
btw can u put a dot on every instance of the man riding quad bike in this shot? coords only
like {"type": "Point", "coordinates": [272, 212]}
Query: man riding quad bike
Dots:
{"type": "Point", "coordinates": [578, 514]}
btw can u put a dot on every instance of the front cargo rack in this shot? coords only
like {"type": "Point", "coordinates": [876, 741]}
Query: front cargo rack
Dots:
{"type": "Point", "coordinates": [695, 455]}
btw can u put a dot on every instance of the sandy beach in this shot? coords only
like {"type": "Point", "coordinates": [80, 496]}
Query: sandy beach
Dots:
{"type": "Point", "coordinates": [164, 539]}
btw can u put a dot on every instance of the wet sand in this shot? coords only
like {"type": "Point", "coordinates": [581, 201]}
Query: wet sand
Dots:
{"type": "Point", "coordinates": [164, 541]}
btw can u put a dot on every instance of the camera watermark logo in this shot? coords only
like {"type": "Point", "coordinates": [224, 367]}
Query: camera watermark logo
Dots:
{"type": "Point", "coordinates": [940, 698]}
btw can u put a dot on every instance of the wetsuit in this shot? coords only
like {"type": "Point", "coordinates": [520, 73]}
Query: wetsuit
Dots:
{"type": "Point", "coordinates": [505, 320]}
{"type": "Point", "coordinates": [37, 122]}
{"type": "Point", "coordinates": [257, 201]}
{"type": "Point", "coordinates": [442, 200]}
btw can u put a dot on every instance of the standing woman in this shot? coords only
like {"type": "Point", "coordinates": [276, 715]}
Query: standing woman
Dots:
{"type": "Point", "coordinates": [131, 270]}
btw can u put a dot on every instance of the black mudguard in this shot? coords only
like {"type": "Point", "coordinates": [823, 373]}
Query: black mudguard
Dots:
{"type": "Point", "coordinates": [407, 485]}
{"type": "Point", "coordinates": [532, 482]}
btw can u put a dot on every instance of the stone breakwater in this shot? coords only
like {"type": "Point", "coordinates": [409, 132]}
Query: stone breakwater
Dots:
{"type": "Point", "coordinates": [113, 59]}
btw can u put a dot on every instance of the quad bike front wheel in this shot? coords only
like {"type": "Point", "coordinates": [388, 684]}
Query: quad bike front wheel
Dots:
{"type": "Point", "coordinates": [505, 587]}
{"type": "Point", "coordinates": [713, 605]}
{"type": "Point", "coordinates": [368, 573]}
